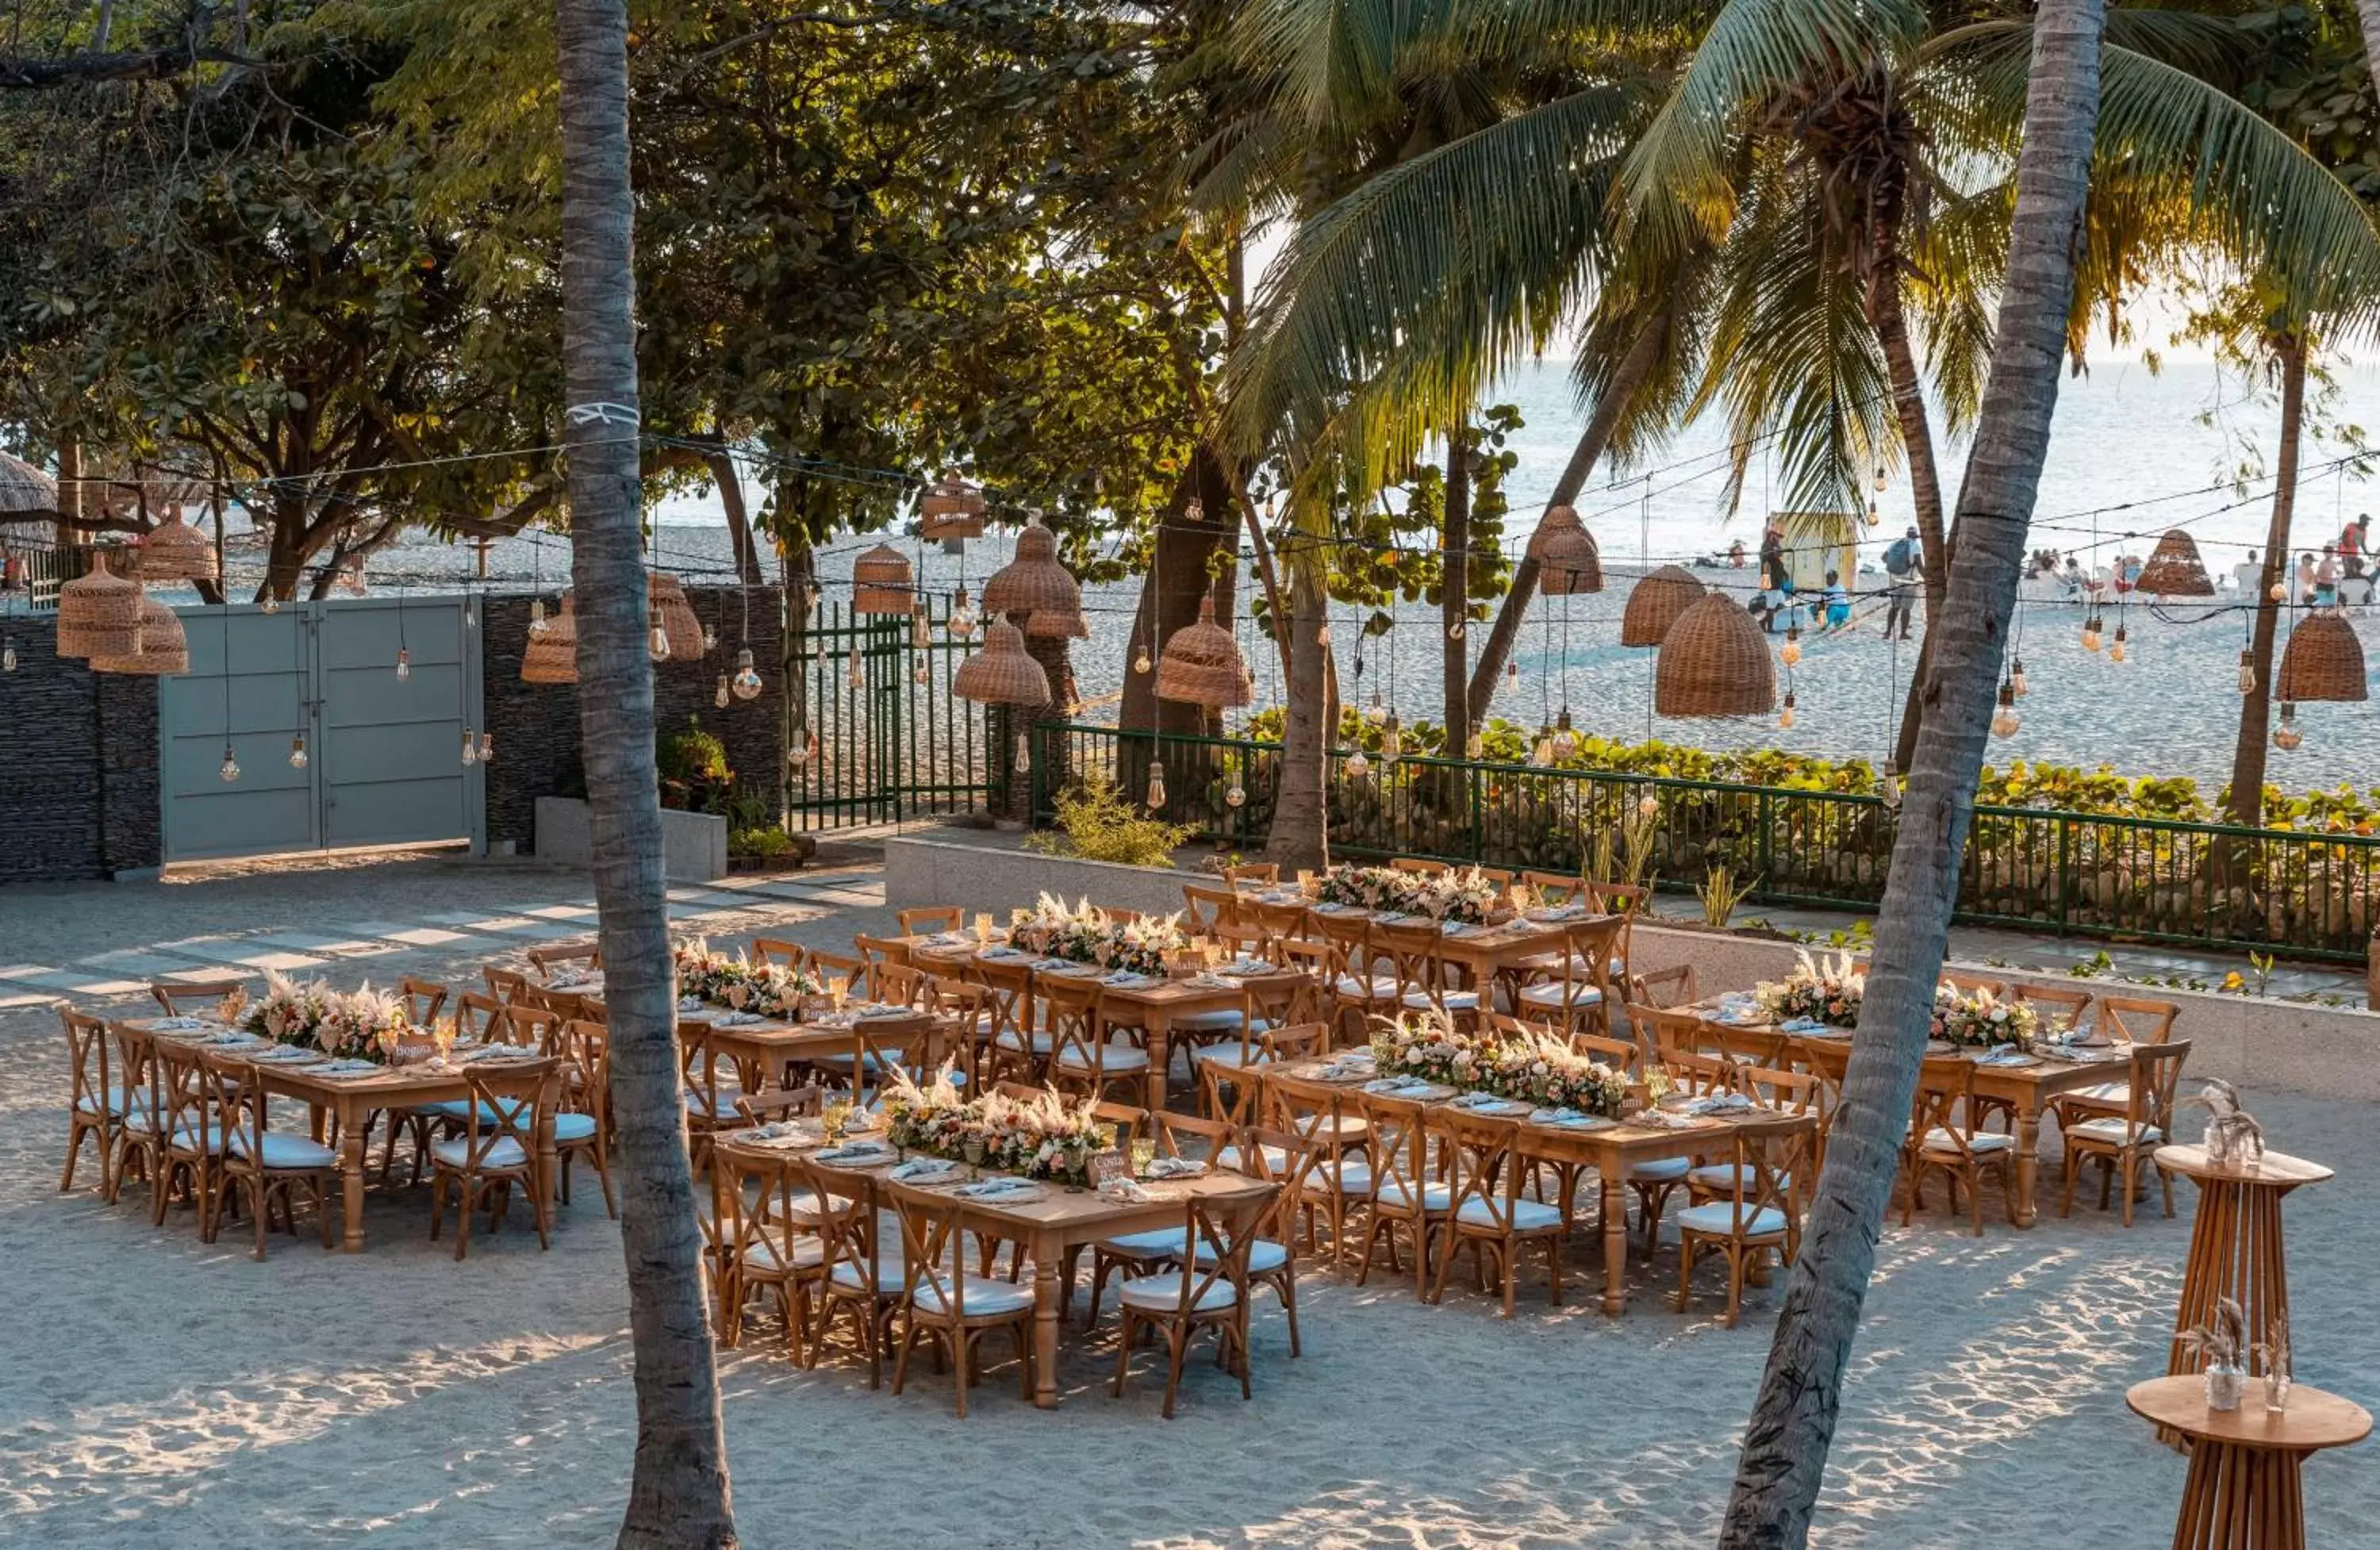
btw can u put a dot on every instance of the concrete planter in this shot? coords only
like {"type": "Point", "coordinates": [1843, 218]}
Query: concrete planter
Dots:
{"type": "Point", "coordinates": [2254, 1042]}
{"type": "Point", "coordinates": [694, 845]}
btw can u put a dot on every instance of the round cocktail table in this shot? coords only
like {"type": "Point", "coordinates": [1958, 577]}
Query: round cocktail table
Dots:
{"type": "Point", "coordinates": [2242, 1492]}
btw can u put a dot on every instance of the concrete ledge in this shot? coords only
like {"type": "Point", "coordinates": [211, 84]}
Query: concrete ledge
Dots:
{"type": "Point", "coordinates": [694, 845]}
{"type": "Point", "coordinates": [2254, 1042]}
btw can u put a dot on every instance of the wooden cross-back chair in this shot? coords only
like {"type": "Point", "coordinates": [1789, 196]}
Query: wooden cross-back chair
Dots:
{"type": "Point", "coordinates": [765, 1246]}
{"type": "Point", "coordinates": [1575, 995]}
{"type": "Point", "coordinates": [1420, 865]}
{"type": "Point", "coordinates": [1943, 1139]}
{"type": "Point", "coordinates": [2126, 1143]}
{"type": "Point", "coordinates": [549, 961]}
{"type": "Point", "coordinates": [1289, 1161]}
{"type": "Point", "coordinates": [1083, 1056]}
{"type": "Point", "coordinates": [1665, 989]}
{"type": "Point", "coordinates": [423, 999]}
{"type": "Point", "coordinates": [925, 920]}
{"type": "Point", "coordinates": [1400, 1193]}
{"type": "Point", "coordinates": [2127, 1019]}
{"type": "Point", "coordinates": [504, 985]}
{"type": "Point", "coordinates": [856, 1279]}
{"type": "Point", "coordinates": [850, 968]}
{"type": "Point", "coordinates": [1210, 1290]}
{"type": "Point", "coordinates": [255, 1164]}
{"type": "Point", "coordinates": [2058, 1007]}
{"type": "Point", "coordinates": [944, 1302]}
{"type": "Point", "coordinates": [1016, 1044]}
{"type": "Point", "coordinates": [96, 1099]}
{"type": "Point", "coordinates": [1486, 1213]}
{"type": "Point", "coordinates": [1759, 1217]}
{"type": "Point", "coordinates": [1204, 908]}
{"type": "Point", "coordinates": [880, 950]}
{"type": "Point", "coordinates": [510, 1107]}
{"type": "Point", "coordinates": [1262, 874]}
{"type": "Point", "coordinates": [777, 951]}
{"type": "Point", "coordinates": [192, 997]}
{"type": "Point", "coordinates": [582, 1118]}
{"type": "Point", "coordinates": [1413, 949]}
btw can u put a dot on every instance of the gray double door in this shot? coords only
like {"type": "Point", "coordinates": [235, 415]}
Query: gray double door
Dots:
{"type": "Point", "coordinates": [383, 763]}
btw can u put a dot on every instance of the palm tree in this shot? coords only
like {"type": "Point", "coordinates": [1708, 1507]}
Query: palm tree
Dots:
{"type": "Point", "coordinates": [678, 1494]}
{"type": "Point", "coordinates": [1793, 1420]}
{"type": "Point", "coordinates": [2287, 348]}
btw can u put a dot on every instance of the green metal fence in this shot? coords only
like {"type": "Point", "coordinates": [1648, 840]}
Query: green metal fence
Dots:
{"type": "Point", "coordinates": [887, 740]}
{"type": "Point", "coordinates": [2297, 895]}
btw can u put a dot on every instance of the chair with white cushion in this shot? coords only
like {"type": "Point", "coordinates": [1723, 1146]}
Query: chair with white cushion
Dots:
{"type": "Point", "coordinates": [96, 1101]}
{"type": "Point", "coordinates": [1788, 1092]}
{"type": "Point", "coordinates": [765, 1241]}
{"type": "Point", "coordinates": [1207, 1291]}
{"type": "Point", "coordinates": [860, 1279]}
{"type": "Point", "coordinates": [559, 965]}
{"type": "Point", "coordinates": [255, 1163]}
{"type": "Point", "coordinates": [940, 1301]}
{"type": "Point", "coordinates": [925, 920]}
{"type": "Point", "coordinates": [1016, 1046]}
{"type": "Point", "coordinates": [1400, 1193]}
{"type": "Point", "coordinates": [192, 997]}
{"type": "Point", "coordinates": [582, 1117]}
{"type": "Point", "coordinates": [1424, 977]}
{"type": "Point", "coordinates": [711, 1087]}
{"type": "Point", "coordinates": [1228, 1088]}
{"type": "Point", "coordinates": [511, 1113]}
{"type": "Point", "coordinates": [1147, 1252]}
{"type": "Point", "coordinates": [1225, 1058]}
{"type": "Point", "coordinates": [1627, 901]}
{"type": "Point", "coordinates": [1574, 994]}
{"type": "Point", "coordinates": [1759, 1219]}
{"type": "Point", "coordinates": [1362, 990]}
{"type": "Point", "coordinates": [1665, 989]}
{"type": "Point", "coordinates": [1942, 1139]}
{"type": "Point", "coordinates": [2128, 1019]}
{"type": "Point", "coordinates": [1289, 1160]}
{"type": "Point", "coordinates": [1489, 1216]}
{"type": "Point", "coordinates": [1083, 1054]}
{"type": "Point", "coordinates": [2124, 1145]}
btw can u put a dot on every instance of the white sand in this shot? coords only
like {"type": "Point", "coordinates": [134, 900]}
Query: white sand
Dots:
{"type": "Point", "coordinates": [156, 1391]}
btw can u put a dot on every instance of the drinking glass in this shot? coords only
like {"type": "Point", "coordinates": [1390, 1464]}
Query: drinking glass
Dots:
{"type": "Point", "coordinates": [1145, 1153]}
{"type": "Point", "coordinates": [982, 928]}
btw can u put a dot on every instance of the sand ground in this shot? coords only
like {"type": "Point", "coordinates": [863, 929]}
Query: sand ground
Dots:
{"type": "Point", "coordinates": [156, 1391]}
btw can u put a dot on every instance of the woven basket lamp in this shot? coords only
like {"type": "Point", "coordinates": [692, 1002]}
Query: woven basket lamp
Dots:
{"type": "Point", "coordinates": [2175, 570]}
{"type": "Point", "coordinates": [553, 658]}
{"type": "Point", "coordinates": [666, 596]}
{"type": "Point", "coordinates": [2323, 661]}
{"type": "Point", "coordinates": [1201, 665]}
{"type": "Point", "coordinates": [1002, 674]}
{"type": "Point", "coordinates": [1568, 562]}
{"type": "Point", "coordinates": [1037, 586]}
{"type": "Point", "coordinates": [25, 489]}
{"type": "Point", "coordinates": [99, 614]}
{"type": "Point", "coordinates": [164, 648]}
{"type": "Point", "coordinates": [1655, 603]}
{"type": "Point", "coordinates": [174, 550]}
{"type": "Point", "coordinates": [952, 509]}
{"type": "Point", "coordinates": [1715, 662]}
{"type": "Point", "coordinates": [881, 583]}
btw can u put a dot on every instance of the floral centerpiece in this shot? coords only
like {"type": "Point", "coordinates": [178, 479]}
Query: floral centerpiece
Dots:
{"type": "Point", "coordinates": [1981, 1021]}
{"type": "Point", "coordinates": [1086, 934]}
{"type": "Point", "coordinates": [1828, 993]}
{"type": "Point", "coordinates": [1461, 893]}
{"type": "Point", "coordinates": [370, 1024]}
{"type": "Point", "coordinates": [1044, 1136]}
{"type": "Point", "coordinates": [290, 1011]}
{"type": "Point", "coordinates": [767, 989]}
{"type": "Point", "coordinates": [1530, 1066]}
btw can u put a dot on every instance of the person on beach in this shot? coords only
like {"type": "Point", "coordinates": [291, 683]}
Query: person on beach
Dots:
{"type": "Point", "coordinates": [1735, 554]}
{"type": "Point", "coordinates": [1837, 601]}
{"type": "Point", "coordinates": [2305, 577]}
{"type": "Point", "coordinates": [1904, 564]}
{"type": "Point", "coordinates": [2353, 545]}
{"type": "Point", "coordinates": [2325, 578]}
{"type": "Point", "coordinates": [1772, 557]}
{"type": "Point", "coordinates": [2074, 579]}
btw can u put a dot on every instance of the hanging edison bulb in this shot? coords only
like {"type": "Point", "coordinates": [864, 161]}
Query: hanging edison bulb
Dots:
{"type": "Point", "coordinates": [918, 637]}
{"type": "Point", "coordinates": [487, 747]}
{"type": "Point", "coordinates": [1141, 662]}
{"type": "Point", "coordinates": [1456, 630]}
{"type": "Point", "coordinates": [1512, 671]}
{"type": "Point", "coordinates": [853, 672]}
{"type": "Point", "coordinates": [2116, 650]}
{"type": "Point", "coordinates": [1874, 515]}
{"type": "Point", "coordinates": [2090, 632]}
{"type": "Point", "coordinates": [721, 698]}
{"type": "Point", "coordinates": [657, 642]}
{"type": "Point", "coordinates": [2278, 591]}
{"type": "Point", "coordinates": [1879, 476]}
{"type": "Point", "coordinates": [538, 627]}
{"type": "Point", "coordinates": [2288, 737]}
{"type": "Point", "coordinates": [1236, 794]}
{"type": "Point", "coordinates": [962, 621]}
{"type": "Point", "coordinates": [1785, 717]}
{"type": "Point", "coordinates": [1791, 652]}
{"type": "Point", "coordinates": [797, 745]}
{"type": "Point", "coordinates": [709, 640]}
{"type": "Point", "coordinates": [2005, 721]}
{"type": "Point", "coordinates": [1565, 740]}
{"type": "Point", "coordinates": [1357, 764]}
{"type": "Point", "coordinates": [2247, 672]}
{"type": "Point", "coordinates": [297, 752]}
{"type": "Point", "coordinates": [1648, 806]}
{"type": "Point", "coordinates": [1156, 795]}
{"type": "Point", "coordinates": [8, 656]}
{"type": "Point", "coordinates": [470, 748]}
{"type": "Point", "coordinates": [1474, 745]}
{"type": "Point", "coordinates": [2016, 678]}
{"type": "Point", "coordinates": [267, 604]}
{"type": "Point", "coordinates": [1022, 760]}
{"type": "Point", "coordinates": [1542, 750]}
{"type": "Point", "coordinates": [1377, 713]}
{"type": "Point", "coordinates": [1888, 786]}
{"type": "Point", "coordinates": [747, 681]}
{"type": "Point", "coordinates": [229, 769]}
{"type": "Point", "coordinates": [404, 662]}
{"type": "Point", "coordinates": [1392, 741]}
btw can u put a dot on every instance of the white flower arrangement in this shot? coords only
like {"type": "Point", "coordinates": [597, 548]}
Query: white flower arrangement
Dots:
{"type": "Point", "coordinates": [1533, 1066]}
{"type": "Point", "coordinates": [1828, 993]}
{"type": "Point", "coordinates": [1086, 934]}
{"type": "Point", "coordinates": [768, 989]}
{"type": "Point", "coordinates": [1981, 1021]}
{"type": "Point", "coordinates": [1045, 1136]}
{"type": "Point", "coordinates": [1459, 893]}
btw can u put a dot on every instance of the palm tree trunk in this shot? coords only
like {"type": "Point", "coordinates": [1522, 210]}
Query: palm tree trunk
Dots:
{"type": "Point", "coordinates": [1792, 1421]}
{"type": "Point", "coordinates": [1891, 326]}
{"type": "Point", "coordinates": [2246, 802]}
{"type": "Point", "coordinates": [1300, 836]}
{"type": "Point", "coordinates": [731, 503]}
{"type": "Point", "coordinates": [1454, 591]}
{"type": "Point", "coordinates": [678, 1494]}
{"type": "Point", "coordinates": [1643, 353]}
{"type": "Point", "coordinates": [1171, 588]}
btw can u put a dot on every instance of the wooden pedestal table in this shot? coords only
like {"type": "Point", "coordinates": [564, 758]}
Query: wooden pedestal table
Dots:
{"type": "Point", "coordinates": [2242, 1492]}
{"type": "Point", "coordinates": [2235, 1245]}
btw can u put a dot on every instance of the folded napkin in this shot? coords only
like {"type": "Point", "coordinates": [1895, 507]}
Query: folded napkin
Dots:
{"type": "Point", "coordinates": [689, 1003]}
{"type": "Point", "coordinates": [1176, 1167]}
{"type": "Point", "coordinates": [1721, 1103]}
{"type": "Point", "coordinates": [855, 1151]}
{"type": "Point", "coordinates": [284, 1054]}
{"type": "Point", "coordinates": [1124, 977]}
{"type": "Point", "coordinates": [1002, 952]}
{"type": "Point", "coordinates": [1345, 1070]}
{"type": "Point", "coordinates": [2004, 1055]}
{"type": "Point", "coordinates": [997, 1189]}
{"type": "Point", "coordinates": [1566, 1116]}
{"type": "Point", "coordinates": [948, 938]}
{"type": "Point", "coordinates": [1124, 1189]}
{"type": "Point", "coordinates": [180, 1023]}
{"type": "Point", "coordinates": [1489, 1101]}
{"type": "Point", "coordinates": [782, 1130]}
{"type": "Point", "coordinates": [230, 1038]}
{"type": "Point", "coordinates": [346, 1070]}
{"type": "Point", "coordinates": [1802, 1025]}
{"type": "Point", "coordinates": [1666, 1120]}
{"type": "Point", "coordinates": [917, 1170]}
{"type": "Point", "coordinates": [1455, 927]}
{"type": "Point", "coordinates": [1395, 1086]}
{"type": "Point", "coordinates": [736, 1019]}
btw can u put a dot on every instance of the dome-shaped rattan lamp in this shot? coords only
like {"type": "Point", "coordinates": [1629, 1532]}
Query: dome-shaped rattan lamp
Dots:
{"type": "Point", "coordinates": [25, 490]}
{"type": "Point", "coordinates": [1201, 665]}
{"type": "Point", "coordinates": [2174, 569]}
{"type": "Point", "coordinates": [553, 658]}
{"type": "Point", "coordinates": [164, 648]}
{"type": "Point", "coordinates": [1567, 560]}
{"type": "Point", "coordinates": [1715, 662]}
{"type": "Point", "coordinates": [99, 614]}
{"type": "Point", "coordinates": [881, 583]}
{"type": "Point", "coordinates": [1655, 603]}
{"type": "Point", "coordinates": [1002, 674]}
{"type": "Point", "coordinates": [1037, 586]}
{"type": "Point", "coordinates": [2324, 661]}
{"type": "Point", "coordinates": [174, 550]}
{"type": "Point", "coordinates": [952, 509]}
{"type": "Point", "coordinates": [666, 596]}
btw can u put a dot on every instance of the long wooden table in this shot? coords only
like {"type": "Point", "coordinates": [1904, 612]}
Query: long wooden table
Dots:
{"type": "Point", "coordinates": [348, 1102]}
{"type": "Point", "coordinates": [2027, 1090]}
{"type": "Point", "coordinates": [1609, 1150]}
{"type": "Point", "coordinates": [1065, 1218]}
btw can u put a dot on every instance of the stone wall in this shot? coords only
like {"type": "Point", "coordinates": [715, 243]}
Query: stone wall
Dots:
{"type": "Point", "coordinates": [536, 725]}
{"type": "Point", "coordinates": [78, 793]}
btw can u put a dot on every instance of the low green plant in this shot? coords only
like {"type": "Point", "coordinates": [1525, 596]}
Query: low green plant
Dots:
{"type": "Point", "coordinates": [1099, 824]}
{"type": "Point", "coordinates": [2094, 967]}
{"type": "Point", "coordinates": [761, 842]}
{"type": "Point", "coordinates": [693, 768]}
{"type": "Point", "coordinates": [1720, 893]}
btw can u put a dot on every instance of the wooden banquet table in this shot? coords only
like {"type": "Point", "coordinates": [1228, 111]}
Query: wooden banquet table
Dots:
{"type": "Point", "coordinates": [2243, 1491]}
{"type": "Point", "coordinates": [764, 1047]}
{"type": "Point", "coordinates": [2027, 1090]}
{"type": "Point", "coordinates": [1154, 1007]}
{"type": "Point", "coordinates": [1481, 951]}
{"type": "Point", "coordinates": [1065, 1217]}
{"type": "Point", "coordinates": [1609, 1149]}
{"type": "Point", "coordinates": [347, 1101]}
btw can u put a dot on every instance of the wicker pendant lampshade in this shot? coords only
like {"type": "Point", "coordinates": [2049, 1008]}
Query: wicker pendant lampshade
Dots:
{"type": "Point", "coordinates": [164, 648]}
{"type": "Point", "coordinates": [25, 489]}
{"type": "Point", "coordinates": [1201, 665]}
{"type": "Point", "coordinates": [99, 614]}
{"type": "Point", "coordinates": [1037, 586]}
{"type": "Point", "coordinates": [881, 583]}
{"type": "Point", "coordinates": [174, 550]}
{"type": "Point", "coordinates": [2174, 569]}
{"type": "Point", "coordinates": [952, 509]}
{"type": "Point", "coordinates": [2323, 661]}
{"type": "Point", "coordinates": [1655, 603]}
{"type": "Point", "coordinates": [1002, 674]}
{"type": "Point", "coordinates": [1568, 562]}
{"type": "Point", "coordinates": [666, 596]}
{"type": "Point", "coordinates": [552, 657]}
{"type": "Point", "coordinates": [1715, 662]}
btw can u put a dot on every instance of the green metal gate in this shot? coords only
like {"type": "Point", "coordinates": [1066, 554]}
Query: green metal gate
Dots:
{"type": "Point", "coordinates": [886, 738]}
